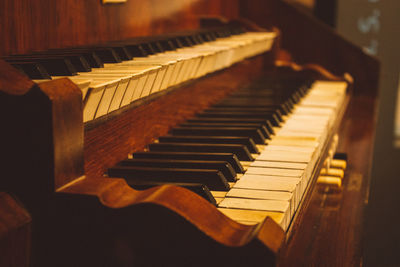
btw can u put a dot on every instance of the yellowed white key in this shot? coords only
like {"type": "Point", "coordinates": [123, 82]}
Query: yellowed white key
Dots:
{"type": "Point", "coordinates": [294, 149]}
{"type": "Point", "coordinates": [94, 96]}
{"type": "Point", "coordinates": [255, 204]}
{"type": "Point", "coordinates": [286, 156]}
{"type": "Point", "coordinates": [294, 141]}
{"type": "Point", "coordinates": [136, 71]}
{"type": "Point", "coordinates": [141, 84]}
{"type": "Point", "coordinates": [278, 164]}
{"type": "Point", "coordinates": [275, 172]}
{"type": "Point", "coordinates": [155, 69]}
{"type": "Point", "coordinates": [255, 216]}
{"type": "Point", "coordinates": [263, 194]}
{"type": "Point", "coordinates": [165, 60]}
{"type": "Point", "coordinates": [109, 93]}
{"type": "Point", "coordinates": [272, 183]}
{"type": "Point", "coordinates": [170, 73]}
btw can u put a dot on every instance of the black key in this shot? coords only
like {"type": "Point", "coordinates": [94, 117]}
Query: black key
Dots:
{"type": "Point", "coordinates": [199, 189]}
{"type": "Point", "coordinates": [77, 60]}
{"type": "Point", "coordinates": [262, 128]}
{"type": "Point", "coordinates": [250, 112]}
{"type": "Point", "coordinates": [246, 141]}
{"type": "Point", "coordinates": [150, 48]}
{"type": "Point", "coordinates": [253, 133]}
{"type": "Point", "coordinates": [55, 66]}
{"type": "Point", "coordinates": [213, 179]}
{"type": "Point", "coordinates": [252, 93]}
{"type": "Point", "coordinates": [167, 45]}
{"type": "Point", "coordinates": [107, 55]}
{"type": "Point", "coordinates": [240, 151]}
{"type": "Point", "coordinates": [91, 57]}
{"type": "Point", "coordinates": [137, 50]}
{"type": "Point", "coordinates": [122, 52]}
{"type": "Point", "coordinates": [206, 37]}
{"type": "Point", "coordinates": [155, 46]}
{"type": "Point", "coordinates": [266, 123]}
{"type": "Point", "coordinates": [96, 56]}
{"type": "Point", "coordinates": [247, 105]}
{"type": "Point", "coordinates": [222, 166]}
{"type": "Point", "coordinates": [249, 101]}
{"type": "Point", "coordinates": [280, 109]}
{"type": "Point", "coordinates": [176, 42]}
{"type": "Point", "coordinates": [79, 63]}
{"type": "Point", "coordinates": [59, 67]}
{"type": "Point", "coordinates": [271, 117]}
{"type": "Point", "coordinates": [193, 39]}
{"type": "Point", "coordinates": [228, 157]}
{"type": "Point", "coordinates": [185, 41]}
{"type": "Point", "coordinates": [33, 70]}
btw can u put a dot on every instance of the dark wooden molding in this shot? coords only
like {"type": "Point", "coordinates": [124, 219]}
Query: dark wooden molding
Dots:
{"type": "Point", "coordinates": [29, 26]}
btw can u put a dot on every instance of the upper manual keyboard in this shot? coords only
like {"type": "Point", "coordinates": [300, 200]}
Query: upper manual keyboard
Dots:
{"type": "Point", "coordinates": [116, 74]}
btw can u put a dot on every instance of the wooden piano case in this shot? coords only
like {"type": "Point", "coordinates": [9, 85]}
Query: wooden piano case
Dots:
{"type": "Point", "coordinates": [54, 164]}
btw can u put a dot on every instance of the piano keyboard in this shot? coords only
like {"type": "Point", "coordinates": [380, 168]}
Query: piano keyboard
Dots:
{"type": "Point", "coordinates": [117, 74]}
{"type": "Point", "coordinates": [252, 154]}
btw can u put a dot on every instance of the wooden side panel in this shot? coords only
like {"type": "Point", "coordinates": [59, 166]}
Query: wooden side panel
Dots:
{"type": "Point", "coordinates": [44, 24]}
{"type": "Point", "coordinates": [42, 135]}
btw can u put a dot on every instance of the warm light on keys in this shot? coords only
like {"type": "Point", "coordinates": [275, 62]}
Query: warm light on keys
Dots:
{"type": "Point", "coordinates": [330, 181]}
{"type": "Point", "coordinates": [338, 163]}
{"type": "Point", "coordinates": [332, 172]}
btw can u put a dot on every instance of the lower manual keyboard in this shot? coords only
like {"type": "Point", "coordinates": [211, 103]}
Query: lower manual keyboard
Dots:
{"type": "Point", "coordinates": [276, 181]}
{"type": "Point", "coordinates": [273, 184]}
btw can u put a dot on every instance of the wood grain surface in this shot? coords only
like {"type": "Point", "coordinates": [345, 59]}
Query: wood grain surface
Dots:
{"type": "Point", "coordinates": [43, 24]}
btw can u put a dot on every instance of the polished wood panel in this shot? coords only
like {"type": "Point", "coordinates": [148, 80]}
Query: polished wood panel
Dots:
{"type": "Point", "coordinates": [43, 24]}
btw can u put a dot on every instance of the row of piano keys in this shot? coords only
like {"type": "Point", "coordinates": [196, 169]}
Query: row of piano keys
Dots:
{"type": "Point", "coordinates": [250, 153]}
{"type": "Point", "coordinates": [116, 74]}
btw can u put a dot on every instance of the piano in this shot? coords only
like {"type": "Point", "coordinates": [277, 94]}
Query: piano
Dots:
{"type": "Point", "coordinates": [176, 137]}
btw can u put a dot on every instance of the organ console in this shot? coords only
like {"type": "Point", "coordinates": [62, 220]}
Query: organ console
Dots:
{"type": "Point", "coordinates": [201, 143]}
